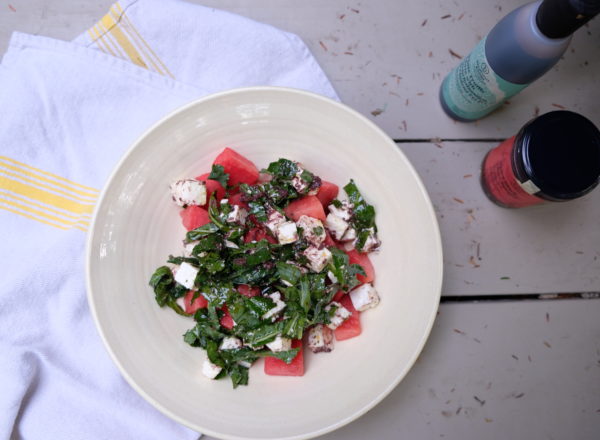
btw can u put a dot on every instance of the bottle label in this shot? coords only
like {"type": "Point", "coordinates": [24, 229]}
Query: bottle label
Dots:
{"type": "Point", "coordinates": [472, 89]}
{"type": "Point", "coordinates": [499, 180]}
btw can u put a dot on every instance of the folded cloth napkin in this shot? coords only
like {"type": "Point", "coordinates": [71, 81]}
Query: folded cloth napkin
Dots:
{"type": "Point", "coordinates": [68, 111]}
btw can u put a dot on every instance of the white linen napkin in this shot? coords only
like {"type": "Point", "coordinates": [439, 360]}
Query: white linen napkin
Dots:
{"type": "Point", "coordinates": [68, 111]}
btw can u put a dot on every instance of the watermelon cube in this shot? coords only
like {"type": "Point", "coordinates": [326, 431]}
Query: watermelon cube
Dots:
{"type": "Point", "coordinates": [307, 205]}
{"type": "Point", "coordinates": [248, 291]}
{"type": "Point", "coordinates": [212, 186]}
{"type": "Point", "coordinates": [350, 328]}
{"type": "Point", "coordinates": [226, 320]}
{"type": "Point", "coordinates": [239, 168]}
{"type": "Point", "coordinates": [277, 367]}
{"type": "Point", "coordinates": [327, 192]}
{"type": "Point", "coordinates": [193, 217]}
{"type": "Point", "coordinates": [190, 306]}
{"type": "Point", "coordinates": [338, 296]}
{"type": "Point", "coordinates": [257, 234]}
{"type": "Point", "coordinates": [356, 257]}
{"type": "Point", "coordinates": [236, 199]}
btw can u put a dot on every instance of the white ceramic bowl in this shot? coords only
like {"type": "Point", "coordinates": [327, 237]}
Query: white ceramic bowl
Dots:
{"type": "Point", "coordinates": [136, 226]}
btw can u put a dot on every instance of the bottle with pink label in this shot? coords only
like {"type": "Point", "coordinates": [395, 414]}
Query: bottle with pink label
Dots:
{"type": "Point", "coordinates": [553, 158]}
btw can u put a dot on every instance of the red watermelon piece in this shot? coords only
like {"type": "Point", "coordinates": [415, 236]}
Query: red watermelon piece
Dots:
{"type": "Point", "coordinates": [193, 217]}
{"type": "Point", "coordinates": [192, 306]}
{"type": "Point", "coordinates": [277, 367]}
{"type": "Point", "coordinates": [356, 257]}
{"type": "Point", "coordinates": [328, 240]}
{"type": "Point", "coordinates": [212, 186]}
{"type": "Point", "coordinates": [257, 234]}
{"type": "Point", "coordinates": [248, 291]}
{"type": "Point", "coordinates": [239, 168]}
{"type": "Point", "coordinates": [226, 320]}
{"type": "Point", "coordinates": [307, 205]}
{"type": "Point", "coordinates": [350, 328]}
{"type": "Point", "coordinates": [327, 192]}
{"type": "Point", "coordinates": [338, 296]}
{"type": "Point", "coordinates": [236, 199]}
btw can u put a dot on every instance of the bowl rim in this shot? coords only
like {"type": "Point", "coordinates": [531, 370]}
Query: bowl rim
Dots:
{"type": "Point", "coordinates": [437, 270]}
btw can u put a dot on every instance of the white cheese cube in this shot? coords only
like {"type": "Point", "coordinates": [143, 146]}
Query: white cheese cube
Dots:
{"type": "Point", "coordinates": [339, 316]}
{"type": "Point", "coordinates": [223, 201]}
{"type": "Point", "coordinates": [336, 225]}
{"type": "Point", "coordinates": [349, 235]}
{"type": "Point", "coordinates": [237, 215]}
{"type": "Point", "coordinates": [189, 247]}
{"type": "Point", "coordinates": [274, 219]}
{"type": "Point", "coordinates": [188, 192]}
{"type": "Point", "coordinates": [364, 297]}
{"type": "Point", "coordinates": [344, 212]}
{"type": "Point", "coordinates": [280, 344]}
{"type": "Point", "coordinates": [298, 183]}
{"type": "Point", "coordinates": [371, 243]}
{"type": "Point", "coordinates": [210, 370]}
{"type": "Point", "coordinates": [312, 229]}
{"type": "Point", "coordinates": [279, 306]}
{"type": "Point", "coordinates": [317, 258]}
{"type": "Point", "coordinates": [186, 274]}
{"type": "Point", "coordinates": [332, 277]}
{"type": "Point", "coordinates": [287, 233]}
{"type": "Point", "coordinates": [230, 343]}
{"type": "Point", "coordinates": [320, 339]}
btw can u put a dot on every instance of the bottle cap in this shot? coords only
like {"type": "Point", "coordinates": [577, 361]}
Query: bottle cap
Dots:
{"type": "Point", "coordinates": [559, 152]}
{"type": "Point", "coordinates": [560, 18]}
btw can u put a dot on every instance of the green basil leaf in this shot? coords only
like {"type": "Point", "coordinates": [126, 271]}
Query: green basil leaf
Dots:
{"type": "Point", "coordinates": [218, 173]}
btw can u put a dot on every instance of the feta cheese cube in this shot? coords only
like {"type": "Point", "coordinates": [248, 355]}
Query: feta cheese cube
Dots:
{"type": "Point", "coordinates": [274, 219]}
{"type": "Point", "coordinates": [317, 258]}
{"type": "Point", "coordinates": [298, 183]}
{"type": "Point", "coordinates": [188, 192]}
{"type": "Point", "coordinates": [223, 201]}
{"type": "Point", "coordinates": [287, 232]}
{"type": "Point", "coordinates": [371, 243]}
{"type": "Point", "coordinates": [186, 274]}
{"type": "Point", "coordinates": [336, 225]}
{"type": "Point", "coordinates": [210, 370]}
{"type": "Point", "coordinates": [320, 339]}
{"type": "Point", "coordinates": [189, 247]}
{"type": "Point", "coordinates": [237, 215]}
{"type": "Point", "coordinates": [245, 364]}
{"type": "Point", "coordinates": [349, 235]}
{"type": "Point", "coordinates": [339, 316]}
{"type": "Point", "coordinates": [280, 344]}
{"type": "Point", "coordinates": [344, 212]}
{"type": "Point", "coordinates": [332, 277]}
{"type": "Point", "coordinates": [230, 343]}
{"type": "Point", "coordinates": [279, 306]}
{"type": "Point", "coordinates": [312, 229]}
{"type": "Point", "coordinates": [364, 297]}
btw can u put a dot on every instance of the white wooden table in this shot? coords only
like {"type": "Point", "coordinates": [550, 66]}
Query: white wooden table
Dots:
{"type": "Point", "coordinates": [507, 357]}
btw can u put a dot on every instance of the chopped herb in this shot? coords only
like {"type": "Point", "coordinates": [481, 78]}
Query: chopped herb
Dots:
{"type": "Point", "coordinates": [218, 173]}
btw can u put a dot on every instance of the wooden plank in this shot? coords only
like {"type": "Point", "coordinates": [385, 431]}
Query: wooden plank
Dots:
{"type": "Point", "coordinates": [522, 370]}
{"type": "Point", "coordinates": [382, 53]}
{"type": "Point", "coordinates": [378, 55]}
{"type": "Point", "coordinates": [491, 250]}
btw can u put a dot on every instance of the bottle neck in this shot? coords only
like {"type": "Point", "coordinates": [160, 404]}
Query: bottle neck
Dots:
{"type": "Point", "coordinates": [560, 18]}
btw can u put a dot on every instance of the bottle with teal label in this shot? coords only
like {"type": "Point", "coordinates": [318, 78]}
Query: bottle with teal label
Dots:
{"type": "Point", "coordinates": [518, 50]}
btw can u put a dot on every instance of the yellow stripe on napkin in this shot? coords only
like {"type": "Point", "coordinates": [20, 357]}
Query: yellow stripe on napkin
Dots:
{"type": "Point", "coordinates": [115, 34]}
{"type": "Point", "coordinates": [45, 197]}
